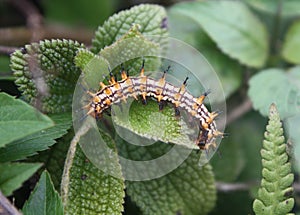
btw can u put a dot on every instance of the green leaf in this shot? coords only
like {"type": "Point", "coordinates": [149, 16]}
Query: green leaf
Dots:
{"type": "Point", "coordinates": [189, 189]}
{"type": "Point", "coordinates": [293, 131]}
{"type": "Point", "coordinates": [14, 174]}
{"type": "Point", "coordinates": [274, 195]}
{"type": "Point", "coordinates": [228, 70]}
{"type": "Point", "coordinates": [90, 186]}
{"type": "Point", "coordinates": [288, 8]}
{"type": "Point", "coordinates": [291, 45]}
{"type": "Point", "coordinates": [37, 141]}
{"type": "Point", "coordinates": [54, 158]}
{"type": "Point", "coordinates": [245, 39]}
{"type": "Point", "coordinates": [148, 121]}
{"type": "Point", "coordinates": [151, 18]}
{"type": "Point", "coordinates": [5, 72]}
{"type": "Point", "coordinates": [133, 44]}
{"type": "Point", "coordinates": [18, 119]}
{"type": "Point", "coordinates": [44, 199]}
{"type": "Point", "coordinates": [276, 86]}
{"type": "Point", "coordinates": [46, 74]}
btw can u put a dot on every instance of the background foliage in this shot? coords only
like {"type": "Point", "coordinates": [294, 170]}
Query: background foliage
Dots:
{"type": "Point", "coordinates": [253, 46]}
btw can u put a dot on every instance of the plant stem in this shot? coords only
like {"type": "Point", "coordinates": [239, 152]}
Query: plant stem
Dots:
{"type": "Point", "coordinates": [276, 29]}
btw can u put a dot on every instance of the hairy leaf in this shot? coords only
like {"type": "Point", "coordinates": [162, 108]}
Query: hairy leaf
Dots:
{"type": "Point", "coordinates": [244, 40]}
{"type": "Point", "coordinates": [291, 45]}
{"type": "Point", "coordinates": [276, 86]}
{"type": "Point", "coordinates": [14, 174]}
{"type": "Point", "coordinates": [274, 195]}
{"type": "Point", "coordinates": [188, 189]}
{"type": "Point", "coordinates": [90, 190]}
{"type": "Point", "coordinates": [18, 119]}
{"type": "Point", "coordinates": [148, 121]}
{"type": "Point", "coordinates": [151, 18]}
{"type": "Point", "coordinates": [44, 200]}
{"type": "Point", "coordinates": [46, 74]}
{"type": "Point", "coordinates": [37, 141]}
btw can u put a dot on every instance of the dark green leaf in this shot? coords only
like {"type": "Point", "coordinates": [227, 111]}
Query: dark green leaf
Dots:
{"type": "Point", "coordinates": [44, 200]}
{"type": "Point", "coordinates": [244, 40]}
{"type": "Point", "coordinates": [5, 72]}
{"type": "Point", "coordinates": [149, 17]}
{"type": "Point", "coordinates": [38, 141]}
{"type": "Point", "coordinates": [293, 131]}
{"type": "Point", "coordinates": [276, 86]}
{"type": "Point", "coordinates": [46, 74]}
{"type": "Point", "coordinates": [291, 45]}
{"type": "Point", "coordinates": [54, 158]}
{"type": "Point", "coordinates": [188, 189]}
{"type": "Point", "coordinates": [18, 119]}
{"type": "Point", "coordinates": [14, 174]}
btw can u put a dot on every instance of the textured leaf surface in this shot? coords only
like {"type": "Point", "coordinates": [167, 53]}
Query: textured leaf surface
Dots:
{"type": "Point", "coordinates": [37, 141]}
{"type": "Point", "coordinates": [244, 40]}
{"type": "Point", "coordinates": [228, 70]}
{"type": "Point", "coordinates": [131, 47]}
{"type": "Point", "coordinates": [18, 119]}
{"type": "Point", "coordinates": [188, 189]}
{"type": "Point", "coordinates": [276, 86]}
{"type": "Point", "coordinates": [44, 200]}
{"type": "Point", "coordinates": [91, 191]}
{"type": "Point", "coordinates": [291, 45]}
{"type": "Point", "coordinates": [46, 74]}
{"type": "Point", "coordinates": [148, 121]}
{"type": "Point", "coordinates": [14, 174]}
{"type": "Point", "coordinates": [276, 185]}
{"type": "Point", "coordinates": [151, 18]}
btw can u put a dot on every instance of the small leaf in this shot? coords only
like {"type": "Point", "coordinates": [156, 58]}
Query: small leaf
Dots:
{"type": "Point", "coordinates": [37, 141]}
{"type": "Point", "coordinates": [90, 186]}
{"type": "Point", "coordinates": [151, 18]}
{"type": "Point", "coordinates": [14, 174]}
{"type": "Point", "coordinates": [188, 189]}
{"type": "Point", "coordinates": [44, 200]}
{"type": "Point", "coordinates": [244, 40]}
{"type": "Point", "coordinates": [46, 74]}
{"type": "Point", "coordinates": [276, 185]}
{"type": "Point", "coordinates": [18, 119]}
{"type": "Point", "coordinates": [291, 45]}
{"type": "Point", "coordinates": [94, 68]}
{"type": "Point", "coordinates": [276, 86]}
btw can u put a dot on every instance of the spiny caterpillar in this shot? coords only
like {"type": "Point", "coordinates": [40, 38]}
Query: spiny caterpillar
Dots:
{"type": "Point", "coordinates": [161, 90]}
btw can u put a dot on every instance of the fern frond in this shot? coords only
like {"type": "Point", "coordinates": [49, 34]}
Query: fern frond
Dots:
{"type": "Point", "coordinates": [274, 195]}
